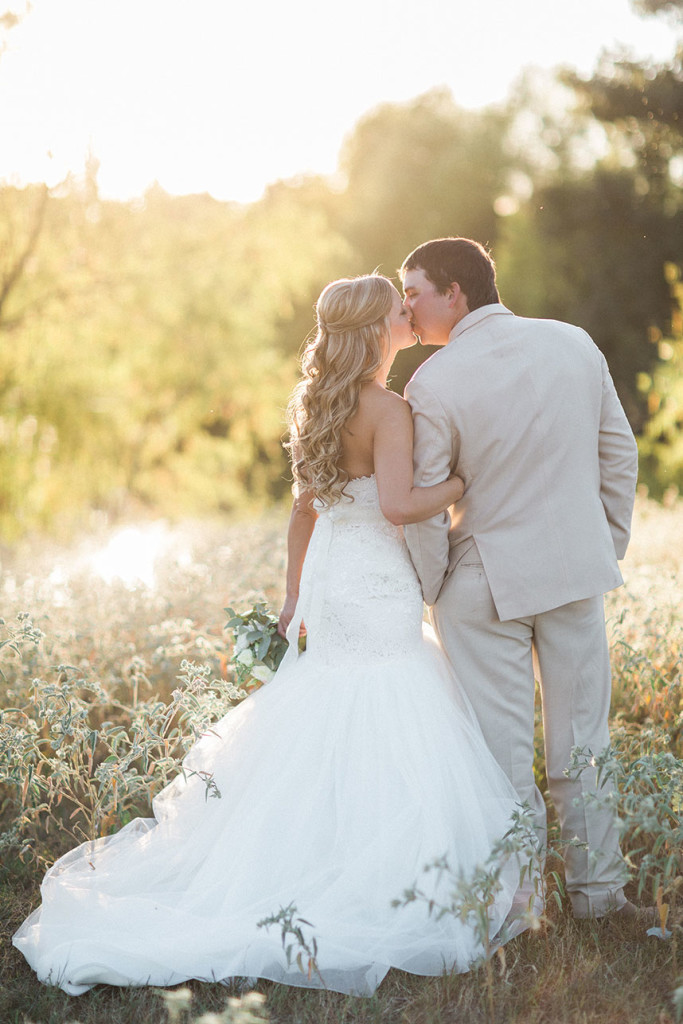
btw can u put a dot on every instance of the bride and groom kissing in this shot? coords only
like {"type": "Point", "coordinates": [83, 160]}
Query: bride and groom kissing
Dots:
{"type": "Point", "coordinates": [500, 492]}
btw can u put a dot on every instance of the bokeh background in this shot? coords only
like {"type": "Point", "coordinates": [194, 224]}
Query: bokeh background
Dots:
{"type": "Point", "coordinates": [178, 182]}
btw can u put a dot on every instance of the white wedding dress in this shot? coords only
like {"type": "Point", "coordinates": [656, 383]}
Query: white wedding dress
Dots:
{"type": "Point", "coordinates": [339, 780]}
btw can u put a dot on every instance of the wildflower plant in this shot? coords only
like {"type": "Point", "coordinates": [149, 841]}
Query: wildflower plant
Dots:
{"type": "Point", "coordinates": [246, 1009]}
{"type": "Point", "coordinates": [16, 636]}
{"type": "Point", "coordinates": [77, 759]}
{"type": "Point", "coordinates": [470, 896]}
{"type": "Point", "coordinates": [99, 673]}
{"type": "Point", "coordinates": [646, 797]}
{"type": "Point", "coordinates": [294, 938]}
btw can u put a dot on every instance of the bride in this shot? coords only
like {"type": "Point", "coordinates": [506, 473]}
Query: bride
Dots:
{"type": "Point", "coordinates": [354, 768]}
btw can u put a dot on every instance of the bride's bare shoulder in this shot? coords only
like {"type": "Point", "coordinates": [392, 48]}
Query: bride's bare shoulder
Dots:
{"type": "Point", "coordinates": [379, 401]}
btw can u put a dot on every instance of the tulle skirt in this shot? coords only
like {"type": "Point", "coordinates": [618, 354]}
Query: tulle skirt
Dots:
{"type": "Point", "coordinates": [337, 786]}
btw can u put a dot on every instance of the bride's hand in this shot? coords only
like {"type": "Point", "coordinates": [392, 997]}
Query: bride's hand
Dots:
{"type": "Point", "coordinates": [458, 485]}
{"type": "Point", "coordinates": [286, 614]}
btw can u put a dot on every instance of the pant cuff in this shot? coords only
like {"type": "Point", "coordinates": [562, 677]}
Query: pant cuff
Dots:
{"type": "Point", "coordinates": [597, 904]}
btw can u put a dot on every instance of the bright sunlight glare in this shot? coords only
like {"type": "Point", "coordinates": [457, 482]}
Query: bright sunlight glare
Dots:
{"type": "Point", "coordinates": [224, 98]}
{"type": "Point", "coordinates": [132, 554]}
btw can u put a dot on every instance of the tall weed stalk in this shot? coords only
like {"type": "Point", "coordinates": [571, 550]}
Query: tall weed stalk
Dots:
{"type": "Point", "coordinates": [646, 796]}
{"type": "Point", "coordinates": [76, 759]}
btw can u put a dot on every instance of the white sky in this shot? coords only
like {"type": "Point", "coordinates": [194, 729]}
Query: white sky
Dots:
{"type": "Point", "coordinates": [225, 96]}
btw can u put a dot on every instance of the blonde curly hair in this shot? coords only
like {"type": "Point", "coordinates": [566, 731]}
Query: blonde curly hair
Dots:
{"type": "Point", "coordinates": [349, 347]}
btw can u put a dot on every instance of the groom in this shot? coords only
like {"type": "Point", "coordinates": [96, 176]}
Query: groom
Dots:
{"type": "Point", "coordinates": [526, 412]}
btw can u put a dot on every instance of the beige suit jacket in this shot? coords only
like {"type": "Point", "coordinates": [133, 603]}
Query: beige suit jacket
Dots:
{"type": "Point", "coordinates": [526, 412]}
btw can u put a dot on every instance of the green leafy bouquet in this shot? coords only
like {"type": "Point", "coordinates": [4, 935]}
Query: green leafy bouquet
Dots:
{"type": "Point", "coordinates": [258, 647]}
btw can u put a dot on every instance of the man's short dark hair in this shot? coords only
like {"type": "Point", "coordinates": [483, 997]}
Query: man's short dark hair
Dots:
{"type": "Point", "coordinates": [445, 260]}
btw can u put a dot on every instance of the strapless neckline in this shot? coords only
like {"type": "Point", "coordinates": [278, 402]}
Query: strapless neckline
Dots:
{"type": "Point", "coordinates": [359, 493]}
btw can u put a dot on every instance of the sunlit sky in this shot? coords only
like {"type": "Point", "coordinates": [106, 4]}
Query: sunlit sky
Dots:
{"type": "Point", "coordinates": [224, 97]}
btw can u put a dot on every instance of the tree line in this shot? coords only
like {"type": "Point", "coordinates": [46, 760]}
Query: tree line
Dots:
{"type": "Point", "coordinates": [147, 348]}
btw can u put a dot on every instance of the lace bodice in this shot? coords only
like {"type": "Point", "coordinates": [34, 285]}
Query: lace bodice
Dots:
{"type": "Point", "coordinates": [359, 595]}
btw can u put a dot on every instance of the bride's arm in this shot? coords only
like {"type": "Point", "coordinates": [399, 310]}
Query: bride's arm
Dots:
{"type": "Point", "coordinates": [301, 523]}
{"type": "Point", "coordinates": [401, 502]}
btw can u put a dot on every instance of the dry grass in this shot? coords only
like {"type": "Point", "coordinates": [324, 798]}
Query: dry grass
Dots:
{"type": "Point", "coordinates": [577, 972]}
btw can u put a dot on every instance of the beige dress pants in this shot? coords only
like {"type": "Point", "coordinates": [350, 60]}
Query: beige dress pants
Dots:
{"type": "Point", "coordinates": [495, 663]}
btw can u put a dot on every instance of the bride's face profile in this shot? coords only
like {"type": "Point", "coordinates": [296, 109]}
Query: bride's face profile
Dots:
{"type": "Point", "coordinates": [400, 331]}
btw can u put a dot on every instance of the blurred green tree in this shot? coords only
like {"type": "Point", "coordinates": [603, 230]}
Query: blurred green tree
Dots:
{"type": "Point", "coordinates": [420, 170]}
{"type": "Point", "coordinates": [658, 6]}
{"type": "Point", "coordinates": [661, 443]}
{"type": "Point", "coordinates": [590, 243]}
{"type": "Point", "coordinates": [592, 252]}
{"type": "Point", "coordinates": [151, 345]}
{"type": "Point", "coordinates": [148, 364]}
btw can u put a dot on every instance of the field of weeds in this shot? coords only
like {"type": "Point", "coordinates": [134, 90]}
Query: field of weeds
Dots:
{"type": "Point", "coordinates": [114, 657]}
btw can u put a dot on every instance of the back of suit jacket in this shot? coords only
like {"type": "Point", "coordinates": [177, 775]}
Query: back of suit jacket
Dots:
{"type": "Point", "coordinates": [526, 412]}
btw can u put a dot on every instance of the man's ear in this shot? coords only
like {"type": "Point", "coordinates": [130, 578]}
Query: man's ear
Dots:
{"type": "Point", "coordinates": [454, 293]}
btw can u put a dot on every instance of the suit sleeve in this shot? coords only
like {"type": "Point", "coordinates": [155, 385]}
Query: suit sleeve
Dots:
{"type": "Point", "coordinates": [433, 457]}
{"type": "Point", "coordinates": [618, 454]}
